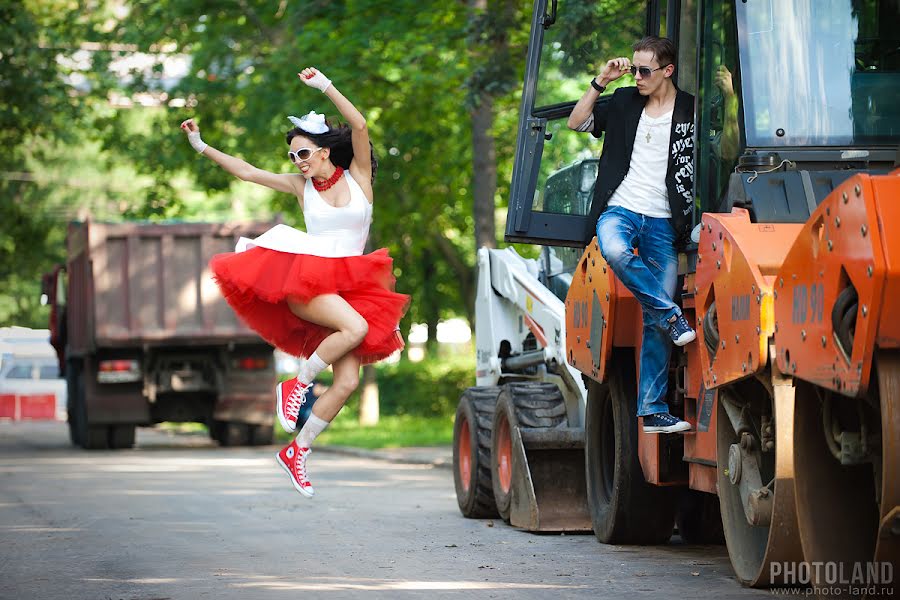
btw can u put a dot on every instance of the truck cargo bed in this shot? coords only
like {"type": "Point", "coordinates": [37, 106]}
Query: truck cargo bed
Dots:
{"type": "Point", "coordinates": [142, 284]}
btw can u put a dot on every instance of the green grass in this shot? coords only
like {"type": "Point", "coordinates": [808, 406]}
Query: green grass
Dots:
{"type": "Point", "coordinates": [417, 403]}
{"type": "Point", "coordinates": [392, 431]}
{"type": "Point", "coordinates": [182, 427]}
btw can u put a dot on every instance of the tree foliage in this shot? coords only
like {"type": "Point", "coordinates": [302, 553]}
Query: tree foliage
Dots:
{"type": "Point", "coordinates": [38, 109]}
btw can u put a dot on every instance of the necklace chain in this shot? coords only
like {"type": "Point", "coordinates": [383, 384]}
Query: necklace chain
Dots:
{"type": "Point", "coordinates": [650, 127]}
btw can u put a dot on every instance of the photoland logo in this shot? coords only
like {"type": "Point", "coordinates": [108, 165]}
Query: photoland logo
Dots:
{"type": "Point", "coordinates": [832, 573]}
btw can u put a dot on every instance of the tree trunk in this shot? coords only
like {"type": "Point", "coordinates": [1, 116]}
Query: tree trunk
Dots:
{"type": "Point", "coordinates": [465, 273]}
{"type": "Point", "coordinates": [369, 408]}
{"type": "Point", "coordinates": [484, 172]}
{"type": "Point", "coordinates": [368, 399]}
{"type": "Point", "coordinates": [430, 302]}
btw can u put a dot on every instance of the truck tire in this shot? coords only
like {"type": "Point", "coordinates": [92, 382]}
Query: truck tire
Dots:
{"type": "Point", "coordinates": [520, 404]}
{"type": "Point", "coordinates": [215, 430]}
{"type": "Point", "coordinates": [73, 369]}
{"type": "Point", "coordinates": [625, 509]}
{"type": "Point", "coordinates": [699, 520]}
{"type": "Point", "coordinates": [94, 437]}
{"type": "Point", "coordinates": [233, 433]}
{"type": "Point", "coordinates": [261, 435]}
{"type": "Point", "coordinates": [472, 452]}
{"type": "Point", "coordinates": [121, 436]}
{"type": "Point", "coordinates": [90, 437]}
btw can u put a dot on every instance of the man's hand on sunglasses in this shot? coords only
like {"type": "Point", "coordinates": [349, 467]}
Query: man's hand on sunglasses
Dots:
{"type": "Point", "coordinates": [614, 69]}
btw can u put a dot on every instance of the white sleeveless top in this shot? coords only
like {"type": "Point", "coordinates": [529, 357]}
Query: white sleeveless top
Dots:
{"type": "Point", "coordinates": [331, 231]}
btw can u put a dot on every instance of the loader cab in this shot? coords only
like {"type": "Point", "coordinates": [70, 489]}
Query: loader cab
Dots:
{"type": "Point", "coordinates": [568, 190]}
{"type": "Point", "coordinates": [793, 96]}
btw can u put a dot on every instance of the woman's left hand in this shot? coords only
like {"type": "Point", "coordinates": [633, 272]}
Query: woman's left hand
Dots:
{"type": "Point", "coordinates": [314, 78]}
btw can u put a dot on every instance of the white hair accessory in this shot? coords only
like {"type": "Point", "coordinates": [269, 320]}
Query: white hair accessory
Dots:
{"type": "Point", "coordinates": [311, 123]}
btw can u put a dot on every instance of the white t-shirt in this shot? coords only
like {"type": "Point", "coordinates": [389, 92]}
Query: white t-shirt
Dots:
{"type": "Point", "coordinates": [644, 188]}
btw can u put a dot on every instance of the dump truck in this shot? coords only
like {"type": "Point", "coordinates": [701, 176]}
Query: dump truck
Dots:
{"type": "Point", "coordinates": [143, 335]}
{"type": "Point", "coordinates": [791, 280]}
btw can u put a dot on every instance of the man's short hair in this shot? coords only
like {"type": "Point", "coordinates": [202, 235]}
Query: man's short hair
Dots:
{"type": "Point", "coordinates": [663, 49]}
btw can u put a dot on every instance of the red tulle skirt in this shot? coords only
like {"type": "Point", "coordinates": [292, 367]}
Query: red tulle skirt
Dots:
{"type": "Point", "coordinates": [257, 283]}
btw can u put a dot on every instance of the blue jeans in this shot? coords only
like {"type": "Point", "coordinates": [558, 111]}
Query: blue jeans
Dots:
{"type": "Point", "coordinates": [651, 276]}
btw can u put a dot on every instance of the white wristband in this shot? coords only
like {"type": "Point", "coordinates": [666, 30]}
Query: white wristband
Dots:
{"type": "Point", "coordinates": [195, 141]}
{"type": "Point", "coordinates": [318, 81]}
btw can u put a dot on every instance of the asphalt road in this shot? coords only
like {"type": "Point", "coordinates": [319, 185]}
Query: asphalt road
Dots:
{"type": "Point", "coordinates": [180, 518]}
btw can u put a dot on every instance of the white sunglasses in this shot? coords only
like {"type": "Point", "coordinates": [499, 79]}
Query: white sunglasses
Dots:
{"type": "Point", "coordinates": [303, 154]}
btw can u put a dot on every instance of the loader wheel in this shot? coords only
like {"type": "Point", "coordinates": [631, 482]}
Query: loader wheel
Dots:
{"type": "Point", "coordinates": [472, 452]}
{"type": "Point", "coordinates": [625, 509]}
{"type": "Point", "coordinates": [520, 404]}
{"type": "Point", "coordinates": [698, 519]}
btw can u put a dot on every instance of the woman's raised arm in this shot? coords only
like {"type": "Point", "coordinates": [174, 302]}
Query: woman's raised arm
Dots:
{"type": "Point", "coordinates": [361, 167]}
{"type": "Point", "coordinates": [290, 183]}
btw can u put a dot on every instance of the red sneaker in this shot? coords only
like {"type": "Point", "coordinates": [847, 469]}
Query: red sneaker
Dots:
{"type": "Point", "coordinates": [293, 460]}
{"type": "Point", "coordinates": [291, 395]}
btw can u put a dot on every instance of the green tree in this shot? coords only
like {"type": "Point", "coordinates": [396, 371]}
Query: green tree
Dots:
{"type": "Point", "coordinates": [38, 110]}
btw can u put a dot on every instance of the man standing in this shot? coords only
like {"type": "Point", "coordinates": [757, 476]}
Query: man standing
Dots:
{"type": "Point", "coordinates": [643, 200]}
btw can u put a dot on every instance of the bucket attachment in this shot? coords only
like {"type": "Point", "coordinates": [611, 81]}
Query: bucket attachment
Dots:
{"type": "Point", "coordinates": [548, 489]}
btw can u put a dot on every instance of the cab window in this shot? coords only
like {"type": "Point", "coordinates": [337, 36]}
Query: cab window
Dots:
{"type": "Point", "coordinates": [575, 49]}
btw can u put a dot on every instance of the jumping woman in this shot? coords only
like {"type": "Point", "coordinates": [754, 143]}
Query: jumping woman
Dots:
{"type": "Point", "coordinates": [315, 294]}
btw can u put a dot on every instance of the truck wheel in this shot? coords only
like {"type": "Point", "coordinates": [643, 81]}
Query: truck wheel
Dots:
{"type": "Point", "coordinates": [121, 436]}
{"type": "Point", "coordinates": [73, 370]}
{"type": "Point", "coordinates": [625, 509]}
{"type": "Point", "coordinates": [699, 520]}
{"type": "Point", "coordinates": [90, 437]}
{"type": "Point", "coordinates": [95, 437]}
{"type": "Point", "coordinates": [215, 430]}
{"type": "Point", "coordinates": [520, 404]}
{"type": "Point", "coordinates": [472, 452]}
{"type": "Point", "coordinates": [233, 433]}
{"type": "Point", "coordinates": [261, 435]}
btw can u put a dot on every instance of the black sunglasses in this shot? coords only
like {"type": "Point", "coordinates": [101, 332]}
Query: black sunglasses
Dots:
{"type": "Point", "coordinates": [645, 71]}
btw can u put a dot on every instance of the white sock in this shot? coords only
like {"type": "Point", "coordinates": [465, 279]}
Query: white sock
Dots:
{"type": "Point", "coordinates": [311, 430]}
{"type": "Point", "coordinates": [312, 367]}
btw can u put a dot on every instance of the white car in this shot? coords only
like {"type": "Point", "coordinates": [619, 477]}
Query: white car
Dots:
{"type": "Point", "coordinates": [32, 376]}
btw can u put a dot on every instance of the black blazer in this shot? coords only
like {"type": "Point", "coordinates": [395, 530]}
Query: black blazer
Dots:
{"type": "Point", "coordinates": [619, 119]}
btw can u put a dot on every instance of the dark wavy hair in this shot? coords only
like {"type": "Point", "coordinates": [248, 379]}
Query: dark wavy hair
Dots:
{"type": "Point", "coordinates": [338, 140]}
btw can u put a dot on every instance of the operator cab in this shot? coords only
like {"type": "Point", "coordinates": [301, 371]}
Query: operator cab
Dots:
{"type": "Point", "coordinates": [792, 96]}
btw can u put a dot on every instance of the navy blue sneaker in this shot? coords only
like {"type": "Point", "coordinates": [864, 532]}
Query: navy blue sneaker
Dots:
{"type": "Point", "coordinates": [664, 423]}
{"type": "Point", "coordinates": [681, 332]}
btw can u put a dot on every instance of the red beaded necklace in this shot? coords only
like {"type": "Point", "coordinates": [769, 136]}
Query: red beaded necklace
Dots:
{"type": "Point", "coordinates": [327, 184]}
